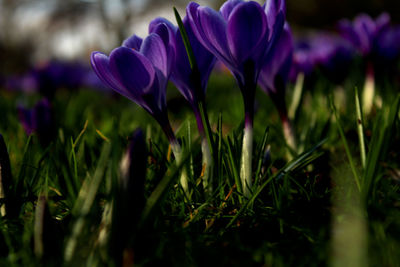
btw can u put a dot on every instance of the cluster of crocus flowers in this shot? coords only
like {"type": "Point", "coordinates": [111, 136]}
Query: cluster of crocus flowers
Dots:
{"type": "Point", "coordinates": [242, 35]}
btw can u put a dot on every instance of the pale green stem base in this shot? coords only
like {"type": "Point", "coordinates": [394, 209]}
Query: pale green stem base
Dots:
{"type": "Point", "coordinates": [298, 91]}
{"type": "Point", "coordinates": [208, 167]}
{"type": "Point", "coordinates": [245, 163]}
{"type": "Point", "coordinates": [177, 151]}
{"type": "Point", "coordinates": [288, 132]}
{"type": "Point", "coordinates": [368, 94]}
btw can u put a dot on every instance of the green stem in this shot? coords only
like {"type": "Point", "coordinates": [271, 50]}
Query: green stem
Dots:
{"type": "Point", "coordinates": [177, 151]}
{"type": "Point", "coordinates": [369, 90]}
{"type": "Point", "coordinates": [297, 93]}
{"type": "Point", "coordinates": [245, 165]}
{"type": "Point", "coordinates": [288, 132]}
{"type": "Point", "coordinates": [360, 130]}
{"type": "Point", "coordinates": [208, 166]}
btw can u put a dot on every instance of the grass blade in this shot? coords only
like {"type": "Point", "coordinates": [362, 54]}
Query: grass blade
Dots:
{"type": "Point", "coordinates": [345, 144]}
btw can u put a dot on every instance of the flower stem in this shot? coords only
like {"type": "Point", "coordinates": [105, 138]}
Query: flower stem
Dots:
{"type": "Point", "coordinates": [246, 160]}
{"type": "Point", "coordinates": [298, 91]}
{"type": "Point", "coordinates": [369, 89]}
{"type": "Point", "coordinates": [288, 132]}
{"type": "Point", "coordinates": [208, 166]}
{"type": "Point", "coordinates": [177, 151]}
{"type": "Point", "coordinates": [279, 100]}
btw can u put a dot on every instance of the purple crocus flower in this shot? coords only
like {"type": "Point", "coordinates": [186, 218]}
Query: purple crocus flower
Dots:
{"type": "Point", "coordinates": [326, 51]}
{"type": "Point", "coordinates": [240, 35]}
{"type": "Point", "coordinates": [191, 82]}
{"type": "Point", "coordinates": [363, 33]}
{"type": "Point", "coordinates": [139, 70]}
{"type": "Point", "coordinates": [276, 69]}
{"type": "Point", "coordinates": [387, 52]}
{"type": "Point", "coordinates": [54, 75]}
{"type": "Point", "coordinates": [39, 119]}
{"type": "Point", "coordinates": [273, 78]}
{"type": "Point", "coordinates": [46, 77]}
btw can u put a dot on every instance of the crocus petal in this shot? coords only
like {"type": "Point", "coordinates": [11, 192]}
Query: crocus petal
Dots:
{"type": "Point", "coordinates": [388, 44]}
{"type": "Point", "coordinates": [101, 65]}
{"type": "Point", "coordinates": [247, 26]}
{"type": "Point", "coordinates": [213, 27]}
{"type": "Point", "coordinates": [227, 8]}
{"type": "Point", "coordinates": [158, 90]}
{"type": "Point", "coordinates": [346, 29]}
{"type": "Point", "coordinates": [133, 69]}
{"type": "Point", "coordinates": [383, 21]}
{"type": "Point", "coordinates": [154, 50]}
{"type": "Point", "coordinates": [276, 33]}
{"type": "Point", "coordinates": [167, 31]}
{"type": "Point", "coordinates": [278, 62]}
{"type": "Point", "coordinates": [134, 42]}
{"type": "Point", "coordinates": [366, 29]}
{"type": "Point", "coordinates": [364, 24]}
{"type": "Point", "coordinates": [163, 28]}
{"type": "Point", "coordinates": [193, 17]}
{"type": "Point", "coordinates": [272, 8]}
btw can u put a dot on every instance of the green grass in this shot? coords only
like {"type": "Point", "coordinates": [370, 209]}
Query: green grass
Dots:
{"type": "Point", "coordinates": [64, 206]}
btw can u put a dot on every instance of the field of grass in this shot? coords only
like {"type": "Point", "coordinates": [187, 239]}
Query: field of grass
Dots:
{"type": "Point", "coordinates": [327, 203]}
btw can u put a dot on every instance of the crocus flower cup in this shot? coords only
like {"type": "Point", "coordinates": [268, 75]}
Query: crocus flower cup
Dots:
{"type": "Point", "coordinates": [191, 81]}
{"type": "Point", "coordinates": [139, 70]}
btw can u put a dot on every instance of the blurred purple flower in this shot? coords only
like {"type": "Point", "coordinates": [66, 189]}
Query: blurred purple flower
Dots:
{"type": "Point", "coordinates": [363, 31]}
{"type": "Point", "coordinates": [377, 42]}
{"type": "Point", "coordinates": [54, 75]}
{"type": "Point", "coordinates": [326, 51]}
{"type": "Point", "coordinates": [39, 119]}
{"type": "Point", "coordinates": [387, 46]}
{"type": "Point", "coordinates": [26, 83]}
{"type": "Point", "coordinates": [275, 72]}
{"type": "Point", "coordinates": [47, 77]}
{"type": "Point", "coordinates": [139, 70]}
{"type": "Point", "coordinates": [273, 78]}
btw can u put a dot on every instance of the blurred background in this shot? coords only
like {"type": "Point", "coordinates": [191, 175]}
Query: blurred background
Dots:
{"type": "Point", "coordinates": [34, 31]}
